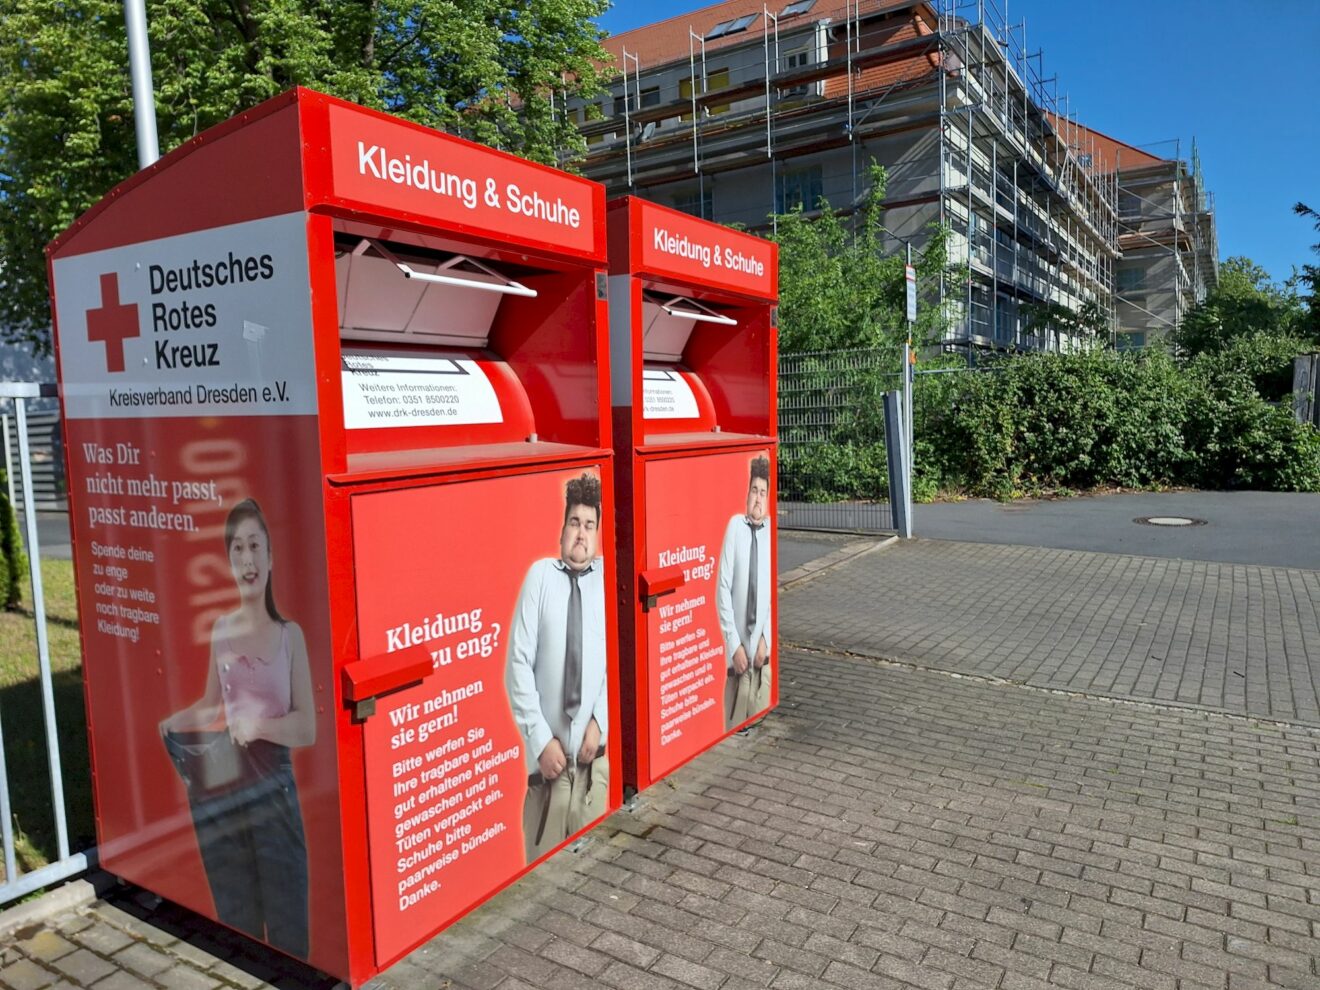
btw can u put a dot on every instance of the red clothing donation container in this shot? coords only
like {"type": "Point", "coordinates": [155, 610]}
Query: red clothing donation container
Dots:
{"type": "Point", "coordinates": [693, 353]}
{"type": "Point", "coordinates": [336, 391]}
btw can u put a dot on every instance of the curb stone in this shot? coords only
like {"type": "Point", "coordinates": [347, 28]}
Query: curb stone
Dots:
{"type": "Point", "coordinates": [820, 565]}
{"type": "Point", "coordinates": [71, 896]}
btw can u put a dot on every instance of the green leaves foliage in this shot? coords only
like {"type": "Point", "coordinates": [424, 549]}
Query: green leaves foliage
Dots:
{"type": "Point", "coordinates": [1243, 303]}
{"type": "Point", "coordinates": [840, 288]}
{"type": "Point", "coordinates": [1028, 423]}
{"type": "Point", "coordinates": [1075, 421]}
{"type": "Point", "coordinates": [1309, 276]}
{"type": "Point", "coordinates": [832, 425]}
{"type": "Point", "coordinates": [483, 69]}
{"type": "Point", "coordinates": [12, 558]}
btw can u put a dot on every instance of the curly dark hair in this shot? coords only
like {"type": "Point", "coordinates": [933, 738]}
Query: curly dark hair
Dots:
{"type": "Point", "coordinates": [760, 469]}
{"type": "Point", "coordinates": [582, 490]}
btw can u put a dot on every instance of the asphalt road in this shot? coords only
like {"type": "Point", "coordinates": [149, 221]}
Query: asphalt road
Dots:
{"type": "Point", "coordinates": [1270, 529]}
{"type": "Point", "coordinates": [1264, 528]}
{"type": "Point", "coordinates": [52, 534]}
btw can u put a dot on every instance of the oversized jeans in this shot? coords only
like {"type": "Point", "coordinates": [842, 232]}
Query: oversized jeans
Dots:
{"type": "Point", "coordinates": [253, 848]}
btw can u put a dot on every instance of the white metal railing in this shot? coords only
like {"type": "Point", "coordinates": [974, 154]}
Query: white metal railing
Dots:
{"type": "Point", "coordinates": [67, 863]}
{"type": "Point", "coordinates": [45, 445]}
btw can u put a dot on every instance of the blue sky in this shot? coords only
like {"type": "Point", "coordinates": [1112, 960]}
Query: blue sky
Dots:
{"type": "Point", "coordinates": [1238, 77]}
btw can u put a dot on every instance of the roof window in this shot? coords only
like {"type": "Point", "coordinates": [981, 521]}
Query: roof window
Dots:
{"type": "Point", "coordinates": [797, 7]}
{"type": "Point", "coordinates": [733, 26]}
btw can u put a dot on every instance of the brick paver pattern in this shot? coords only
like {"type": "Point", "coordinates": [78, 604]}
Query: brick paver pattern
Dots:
{"type": "Point", "coordinates": [1224, 636]}
{"type": "Point", "coordinates": [886, 827]}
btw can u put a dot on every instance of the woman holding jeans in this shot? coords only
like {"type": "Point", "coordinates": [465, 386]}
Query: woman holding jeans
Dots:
{"type": "Point", "coordinates": [232, 748]}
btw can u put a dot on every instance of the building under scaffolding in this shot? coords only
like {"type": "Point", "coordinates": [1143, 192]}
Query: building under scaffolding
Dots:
{"type": "Point", "coordinates": [740, 111]}
{"type": "Point", "coordinates": [1169, 247]}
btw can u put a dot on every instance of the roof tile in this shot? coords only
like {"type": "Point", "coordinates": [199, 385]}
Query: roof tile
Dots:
{"type": "Point", "coordinates": [667, 41]}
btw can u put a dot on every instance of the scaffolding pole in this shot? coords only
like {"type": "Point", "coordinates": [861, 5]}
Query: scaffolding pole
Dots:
{"type": "Point", "coordinates": [1044, 188]}
{"type": "Point", "coordinates": [694, 40]}
{"type": "Point", "coordinates": [627, 122]}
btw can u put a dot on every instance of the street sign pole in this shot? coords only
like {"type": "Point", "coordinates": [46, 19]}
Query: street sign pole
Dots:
{"type": "Point", "coordinates": [144, 95]}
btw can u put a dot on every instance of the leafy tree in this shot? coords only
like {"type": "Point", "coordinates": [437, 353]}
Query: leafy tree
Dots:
{"type": "Point", "coordinates": [1055, 321]}
{"type": "Point", "coordinates": [1243, 303]}
{"type": "Point", "coordinates": [484, 69]}
{"type": "Point", "coordinates": [839, 289]}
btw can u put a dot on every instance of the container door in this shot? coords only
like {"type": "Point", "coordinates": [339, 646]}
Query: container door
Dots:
{"type": "Point", "coordinates": [710, 647]}
{"type": "Point", "coordinates": [471, 574]}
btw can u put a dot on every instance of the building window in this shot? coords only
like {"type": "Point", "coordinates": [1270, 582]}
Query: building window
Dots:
{"type": "Point", "coordinates": [1131, 341]}
{"type": "Point", "coordinates": [697, 200]}
{"type": "Point", "coordinates": [1130, 280]}
{"type": "Point", "coordinates": [716, 80]}
{"type": "Point", "coordinates": [731, 27]}
{"type": "Point", "coordinates": [799, 187]}
{"type": "Point", "coordinates": [797, 7]}
{"type": "Point", "coordinates": [1005, 320]}
{"type": "Point", "coordinates": [646, 98]}
{"type": "Point", "coordinates": [796, 60]}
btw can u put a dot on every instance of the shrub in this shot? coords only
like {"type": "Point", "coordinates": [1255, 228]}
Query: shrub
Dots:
{"type": "Point", "coordinates": [1076, 421]}
{"type": "Point", "coordinates": [12, 559]}
{"type": "Point", "coordinates": [1026, 423]}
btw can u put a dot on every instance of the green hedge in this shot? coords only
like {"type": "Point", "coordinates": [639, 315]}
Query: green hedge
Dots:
{"type": "Point", "coordinates": [1140, 420]}
{"type": "Point", "coordinates": [1027, 423]}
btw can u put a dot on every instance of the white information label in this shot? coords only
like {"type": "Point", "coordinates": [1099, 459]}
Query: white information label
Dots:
{"type": "Point", "coordinates": [388, 390]}
{"type": "Point", "coordinates": [214, 323]}
{"type": "Point", "coordinates": [910, 277]}
{"type": "Point", "coordinates": [666, 395]}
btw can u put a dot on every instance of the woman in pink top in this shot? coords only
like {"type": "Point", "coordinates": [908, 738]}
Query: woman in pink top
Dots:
{"type": "Point", "coordinates": [257, 706]}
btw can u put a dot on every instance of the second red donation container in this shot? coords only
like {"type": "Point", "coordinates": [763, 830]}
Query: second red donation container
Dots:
{"type": "Point", "coordinates": [693, 357]}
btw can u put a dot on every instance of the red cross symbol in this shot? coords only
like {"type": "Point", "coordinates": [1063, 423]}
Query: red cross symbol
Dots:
{"type": "Point", "coordinates": [113, 323]}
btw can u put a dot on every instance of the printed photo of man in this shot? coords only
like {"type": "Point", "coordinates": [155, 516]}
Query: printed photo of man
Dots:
{"type": "Point", "coordinates": [742, 599]}
{"type": "Point", "coordinates": [556, 677]}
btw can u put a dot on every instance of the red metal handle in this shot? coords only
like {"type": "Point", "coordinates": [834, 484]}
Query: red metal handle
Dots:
{"type": "Point", "coordinates": [659, 582]}
{"type": "Point", "coordinates": [370, 678]}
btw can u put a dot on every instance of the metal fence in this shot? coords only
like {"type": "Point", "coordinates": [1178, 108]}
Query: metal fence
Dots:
{"type": "Point", "coordinates": [22, 468]}
{"type": "Point", "coordinates": [833, 469]}
{"type": "Point", "coordinates": [46, 448]}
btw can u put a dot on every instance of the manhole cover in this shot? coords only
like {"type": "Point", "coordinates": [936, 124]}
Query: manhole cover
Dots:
{"type": "Point", "coordinates": [1168, 521]}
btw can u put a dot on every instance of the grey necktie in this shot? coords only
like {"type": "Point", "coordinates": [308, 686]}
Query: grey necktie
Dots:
{"type": "Point", "coordinates": [754, 564]}
{"type": "Point", "coordinates": [573, 648]}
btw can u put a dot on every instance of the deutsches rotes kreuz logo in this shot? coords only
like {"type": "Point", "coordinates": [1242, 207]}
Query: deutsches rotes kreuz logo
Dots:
{"type": "Point", "coordinates": [113, 323]}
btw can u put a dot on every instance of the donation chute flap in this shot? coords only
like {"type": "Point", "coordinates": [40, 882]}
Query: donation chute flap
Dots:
{"type": "Point", "coordinates": [394, 292]}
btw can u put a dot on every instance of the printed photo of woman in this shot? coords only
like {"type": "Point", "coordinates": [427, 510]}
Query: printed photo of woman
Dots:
{"type": "Point", "coordinates": [232, 748]}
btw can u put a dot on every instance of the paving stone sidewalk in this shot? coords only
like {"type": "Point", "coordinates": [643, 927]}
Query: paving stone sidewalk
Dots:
{"type": "Point", "coordinates": [1230, 637]}
{"type": "Point", "coordinates": [886, 827]}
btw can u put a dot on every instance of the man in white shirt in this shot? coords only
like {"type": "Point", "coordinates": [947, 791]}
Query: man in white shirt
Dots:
{"type": "Point", "coordinates": [742, 599]}
{"type": "Point", "coordinates": [556, 678]}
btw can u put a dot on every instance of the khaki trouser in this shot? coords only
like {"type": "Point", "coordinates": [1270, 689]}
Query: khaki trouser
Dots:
{"type": "Point", "coordinates": [746, 694]}
{"type": "Point", "coordinates": [555, 809]}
